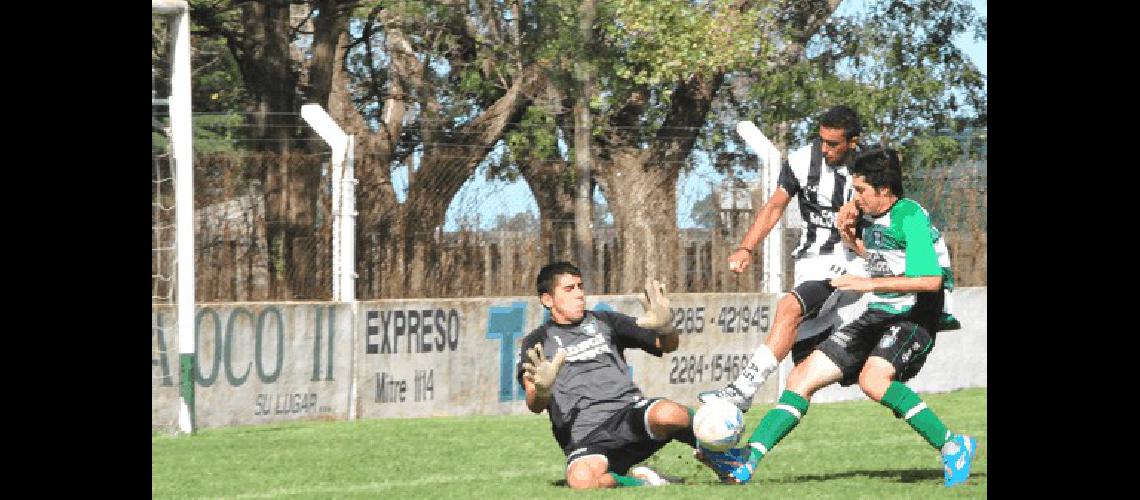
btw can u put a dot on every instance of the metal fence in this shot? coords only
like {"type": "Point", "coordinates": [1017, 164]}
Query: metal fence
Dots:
{"type": "Point", "coordinates": [263, 231]}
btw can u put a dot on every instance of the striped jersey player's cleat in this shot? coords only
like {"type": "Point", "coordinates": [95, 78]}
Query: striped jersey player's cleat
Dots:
{"type": "Point", "coordinates": [654, 478]}
{"type": "Point", "coordinates": [732, 466]}
{"type": "Point", "coordinates": [957, 454]}
{"type": "Point", "coordinates": [729, 393]}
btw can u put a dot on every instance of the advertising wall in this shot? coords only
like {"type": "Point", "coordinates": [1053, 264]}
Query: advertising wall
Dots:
{"type": "Point", "coordinates": [271, 362]}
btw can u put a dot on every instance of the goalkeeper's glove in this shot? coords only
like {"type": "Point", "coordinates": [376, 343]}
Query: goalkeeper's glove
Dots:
{"type": "Point", "coordinates": [657, 315]}
{"type": "Point", "coordinates": [541, 371]}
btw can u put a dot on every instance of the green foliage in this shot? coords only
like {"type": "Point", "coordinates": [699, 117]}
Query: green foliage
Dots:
{"type": "Point", "coordinates": [535, 137]}
{"type": "Point", "coordinates": [895, 63]}
{"type": "Point", "coordinates": [842, 450]}
{"type": "Point", "coordinates": [217, 133]}
{"type": "Point", "coordinates": [217, 85]}
{"type": "Point", "coordinates": [929, 151]}
{"type": "Point", "coordinates": [661, 42]}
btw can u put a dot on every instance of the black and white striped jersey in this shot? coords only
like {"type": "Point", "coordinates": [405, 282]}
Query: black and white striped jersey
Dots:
{"type": "Point", "coordinates": [821, 189]}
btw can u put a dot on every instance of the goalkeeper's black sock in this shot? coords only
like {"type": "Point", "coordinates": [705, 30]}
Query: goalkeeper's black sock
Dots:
{"type": "Point", "coordinates": [686, 435]}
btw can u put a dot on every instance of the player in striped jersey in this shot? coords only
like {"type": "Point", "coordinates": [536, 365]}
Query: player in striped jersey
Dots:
{"type": "Point", "coordinates": [817, 176]}
{"type": "Point", "coordinates": [888, 344]}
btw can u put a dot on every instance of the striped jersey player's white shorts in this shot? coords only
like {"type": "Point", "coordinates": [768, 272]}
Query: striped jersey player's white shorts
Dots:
{"type": "Point", "coordinates": [827, 266]}
{"type": "Point", "coordinates": [840, 308]}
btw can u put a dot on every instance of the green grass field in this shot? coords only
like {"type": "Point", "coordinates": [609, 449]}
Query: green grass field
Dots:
{"type": "Point", "coordinates": [841, 450]}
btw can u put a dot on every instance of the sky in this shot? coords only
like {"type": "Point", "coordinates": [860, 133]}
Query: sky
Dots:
{"type": "Point", "coordinates": [490, 199]}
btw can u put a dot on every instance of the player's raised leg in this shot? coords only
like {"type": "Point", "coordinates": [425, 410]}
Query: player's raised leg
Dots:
{"type": "Point", "coordinates": [808, 296]}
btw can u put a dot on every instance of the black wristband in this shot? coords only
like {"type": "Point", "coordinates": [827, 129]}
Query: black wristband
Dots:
{"type": "Point", "coordinates": [745, 249]}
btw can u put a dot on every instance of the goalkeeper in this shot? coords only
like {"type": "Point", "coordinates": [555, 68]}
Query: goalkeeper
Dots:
{"type": "Point", "coordinates": [573, 366]}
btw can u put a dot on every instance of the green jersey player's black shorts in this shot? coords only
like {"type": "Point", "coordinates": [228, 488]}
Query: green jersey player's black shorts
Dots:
{"type": "Point", "coordinates": [900, 339]}
{"type": "Point", "coordinates": [623, 438]}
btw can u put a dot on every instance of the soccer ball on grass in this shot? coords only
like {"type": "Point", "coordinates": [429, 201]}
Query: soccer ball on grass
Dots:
{"type": "Point", "coordinates": [718, 425]}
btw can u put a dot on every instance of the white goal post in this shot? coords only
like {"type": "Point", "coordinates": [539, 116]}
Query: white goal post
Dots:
{"type": "Point", "coordinates": [178, 104]}
{"type": "Point", "coordinates": [773, 246]}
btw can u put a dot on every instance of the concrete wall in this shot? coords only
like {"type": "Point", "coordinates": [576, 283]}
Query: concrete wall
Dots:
{"type": "Point", "coordinates": [259, 363]}
{"type": "Point", "coordinates": [462, 359]}
{"type": "Point", "coordinates": [270, 362]}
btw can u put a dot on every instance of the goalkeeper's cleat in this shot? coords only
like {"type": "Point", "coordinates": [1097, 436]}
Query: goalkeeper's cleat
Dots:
{"type": "Point", "coordinates": [957, 454]}
{"type": "Point", "coordinates": [653, 478]}
{"type": "Point", "coordinates": [729, 393]}
{"type": "Point", "coordinates": [732, 466]}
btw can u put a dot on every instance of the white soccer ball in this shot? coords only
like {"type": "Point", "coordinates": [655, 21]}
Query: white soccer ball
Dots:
{"type": "Point", "coordinates": [718, 425]}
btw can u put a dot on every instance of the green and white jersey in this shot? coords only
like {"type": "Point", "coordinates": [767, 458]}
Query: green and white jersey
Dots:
{"type": "Point", "coordinates": [901, 242]}
{"type": "Point", "coordinates": [947, 321]}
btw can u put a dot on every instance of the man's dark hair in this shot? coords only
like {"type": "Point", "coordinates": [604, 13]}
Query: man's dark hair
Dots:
{"type": "Point", "coordinates": [842, 117]}
{"type": "Point", "coordinates": [550, 272]}
{"type": "Point", "coordinates": [881, 168]}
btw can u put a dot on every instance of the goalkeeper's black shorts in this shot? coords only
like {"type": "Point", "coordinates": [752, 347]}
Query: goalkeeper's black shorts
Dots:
{"type": "Point", "coordinates": [622, 439]}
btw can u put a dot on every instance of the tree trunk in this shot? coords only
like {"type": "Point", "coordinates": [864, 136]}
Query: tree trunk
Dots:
{"type": "Point", "coordinates": [269, 78]}
{"type": "Point", "coordinates": [583, 215]}
{"type": "Point", "coordinates": [645, 216]}
{"type": "Point", "coordinates": [444, 167]}
{"type": "Point", "coordinates": [378, 209]}
{"type": "Point", "coordinates": [546, 179]}
{"type": "Point", "coordinates": [328, 28]}
{"type": "Point", "coordinates": [646, 209]}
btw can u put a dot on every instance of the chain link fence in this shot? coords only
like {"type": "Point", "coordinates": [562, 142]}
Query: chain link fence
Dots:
{"type": "Point", "coordinates": [263, 227]}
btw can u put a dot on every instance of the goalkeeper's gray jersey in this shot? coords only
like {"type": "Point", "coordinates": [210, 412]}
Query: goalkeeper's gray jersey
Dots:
{"type": "Point", "coordinates": [595, 380]}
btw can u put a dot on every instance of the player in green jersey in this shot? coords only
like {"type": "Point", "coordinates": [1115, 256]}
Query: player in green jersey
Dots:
{"type": "Point", "coordinates": [888, 344]}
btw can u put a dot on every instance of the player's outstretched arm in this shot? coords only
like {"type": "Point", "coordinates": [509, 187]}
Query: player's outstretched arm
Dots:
{"type": "Point", "coordinates": [658, 316]}
{"type": "Point", "coordinates": [539, 375]}
{"type": "Point", "coordinates": [765, 220]}
{"type": "Point", "coordinates": [901, 284]}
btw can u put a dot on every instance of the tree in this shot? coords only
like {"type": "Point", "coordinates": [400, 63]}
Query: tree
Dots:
{"type": "Point", "coordinates": [435, 85]}
{"type": "Point", "coordinates": [895, 63]}
{"type": "Point", "coordinates": [645, 53]}
{"type": "Point", "coordinates": [276, 77]}
{"type": "Point", "coordinates": [523, 222]}
{"type": "Point", "coordinates": [429, 84]}
{"type": "Point", "coordinates": [706, 211]}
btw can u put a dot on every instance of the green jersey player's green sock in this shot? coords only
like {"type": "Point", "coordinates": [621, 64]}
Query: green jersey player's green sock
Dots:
{"type": "Point", "coordinates": [626, 480]}
{"type": "Point", "coordinates": [776, 424]}
{"type": "Point", "coordinates": [908, 406]}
